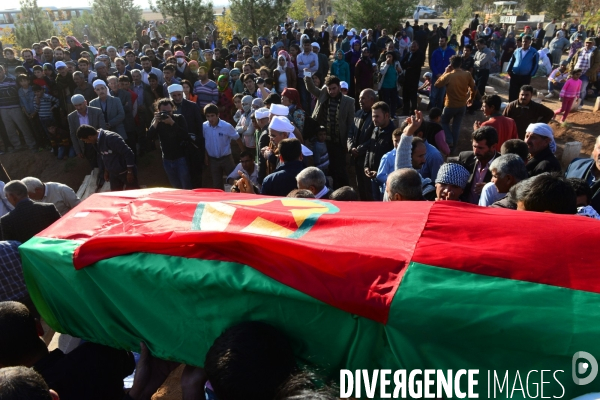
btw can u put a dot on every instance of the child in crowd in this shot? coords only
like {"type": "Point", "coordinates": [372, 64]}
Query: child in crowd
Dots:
{"type": "Point", "coordinates": [26, 96]}
{"type": "Point", "coordinates": [44, 106]}
{"type": "Point", "coordinates": [269, 83]}
{"type": "Point", "coordinates": [237, 103]}
{"type": "Point", "coordinates": [387, 164]}
{"type": "Point", "coordinates": [435, 134]}
{"type": "Point", "coordinates": [320, 155]}
{"type": "Point", "coordinates": [236, 84]}
{"type": "Point", "coordinates": [569, 93]}
{"type": "Point", "coordinates": [38, 73]}
{"type": "Point", "coordinates": [60, 140]}
{"type": "Point", "coordinates": [425, 88]}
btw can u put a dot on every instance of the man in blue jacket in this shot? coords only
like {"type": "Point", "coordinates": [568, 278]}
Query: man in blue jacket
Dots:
{"type": "Point", "coordinates": [440, 59]}
{"type": "Point", "coordinates": [522, 66]}
{"type": "Point", "coordinates": [588, 169]}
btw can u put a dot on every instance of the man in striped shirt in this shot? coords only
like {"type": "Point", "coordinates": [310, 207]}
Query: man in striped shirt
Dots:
{"type": "Point", "coordinates": [205, 89]}
{"type": "Point", "coordinates": [11, 114]}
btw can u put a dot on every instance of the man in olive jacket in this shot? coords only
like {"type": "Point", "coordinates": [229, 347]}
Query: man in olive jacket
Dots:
{"type": "Point", "coordinates": [335, 111]}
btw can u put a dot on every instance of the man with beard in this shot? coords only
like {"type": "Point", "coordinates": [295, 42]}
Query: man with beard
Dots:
{"type": "Point", "coordinates": [267, 59]}
{"type": "Point", "coordinates": [149, 69]}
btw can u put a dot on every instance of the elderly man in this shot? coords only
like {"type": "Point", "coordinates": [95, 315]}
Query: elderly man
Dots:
{"type": "Point", "coordinates": [84, 115]}
{"type": "Point", "coordinates": [335, 111]}
{"type": "Point", "coordinates": [62, 196]}
{"type": "Point", "coordinates": [28, 218]}
{"type": "Point", "coordinates": [313, 179]}
{"type": "Point", "coordinates": [323, 59]}
{"type": "Point", "coordinates": [451, 182]}
{"type": "Point", "coordinates": [588, 169]}
{"type": "Point", "coordinates": [507, 171]}
{"type": "Point", "coordinates": [111, 107]}
{"type": "Point", "coordinates": [524, 111]}
{"type": "Point", "coordinates": [587, 59]}
{"type": "Point", "coordinates": [114, 157]}
{"type": "Point", "coordinates": [541, 144]}
{"type": "Point", "coordinates": [261, 116]}
{"type": "Point", "coordinates": [404, 185]}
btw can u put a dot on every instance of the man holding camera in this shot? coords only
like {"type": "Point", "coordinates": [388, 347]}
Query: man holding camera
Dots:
{"type": "Point", "coordinates": [172, 132]}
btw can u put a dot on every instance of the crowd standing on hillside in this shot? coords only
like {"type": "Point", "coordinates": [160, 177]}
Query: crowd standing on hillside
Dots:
{"type": "Point", "coordinates": [299, 121]}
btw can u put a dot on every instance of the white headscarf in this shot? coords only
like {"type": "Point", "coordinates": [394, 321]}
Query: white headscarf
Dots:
{"type": "Point", "coordinates": [543, 130]}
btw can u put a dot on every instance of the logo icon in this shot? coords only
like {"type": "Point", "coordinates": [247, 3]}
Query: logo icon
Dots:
{"type": "Point", "coordinates": [580, 367]}
{"type": "Point", "coordinates": [281, 217]}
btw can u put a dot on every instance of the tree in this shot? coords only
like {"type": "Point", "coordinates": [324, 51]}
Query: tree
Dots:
{"type": "Point", "coordinates": [557, 8]}
{"type": "Point", "coordinates": [225, 26]}
{"type": "Point", "coordinates": [463, 16]}
{"type": "Point", "coordinates": [370, 13]}
{"type": "Point", "coordinates": [33, 24]}
{"type": "Point", "coordinates": [256, 18]}
{"type": "Point", "coordinates": [534, 6]}
{"type": "Point", "coordinates": [298, 10]}
{"type": "Point", "coordinates": [187, 15]}
{"type": "Point", "coordinates": [115, 20]}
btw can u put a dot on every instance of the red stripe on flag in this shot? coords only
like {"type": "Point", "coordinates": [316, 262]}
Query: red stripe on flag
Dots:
{"type": "Point", "coordinates": [558, 250]}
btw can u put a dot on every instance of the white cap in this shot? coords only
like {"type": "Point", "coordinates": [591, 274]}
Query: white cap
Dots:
{"type": "Point", "coordinates": [281, 124]}
{"type": "Point", "coordinates": [280, 109]}
{"type": "Point", "coordinates": [315, 44]}
{"type": "Point", "coordinates": [262, 113]}
{"type": "Point", "coordinates": [344, 85]}
{"type": "Point", "coordinates": [175, 88]}
{"type": "Point", "coordinates": [60, 64]}
{"type": "Point", "coordinates": [98, 82]}
{"type": "Point", "coordinates": [350, 33]}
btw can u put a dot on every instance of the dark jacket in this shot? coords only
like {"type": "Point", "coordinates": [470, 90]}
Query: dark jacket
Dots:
{"type": "Point", "coordinates": [194, 119]}
{"type": "Point", "coordinates": [525, 115]}
{"type": "Point", "coordinates": [263, 141]}
{"type": "Point", "coordinates": [379, 143]}
{"type": "Point", "coordinates": [581, 168]}
{"type": "Point", "coordinates": [283, 180]}
{"type": "Point", "coordinates": [125, 97]}
{"type": "Point", "coordinates": [468, 160]}
{"type": "Point", "coordinates": [113, 154]}
{"type": "Point", "coordinates": [363, 122]}
{"type": "Point", "coordinates": [173, 138]}
{"type": "Point", "coordinates": [27, 220]}
{"type": "Point", "coordinates": [411, 63]}
{"type": "Point", "coordinates": [544, 161]}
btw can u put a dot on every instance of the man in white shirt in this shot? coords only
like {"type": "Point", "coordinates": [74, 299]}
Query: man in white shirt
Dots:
{"type": "Point", "coordinates": [62, 196]}
{"type": "Point", "coordinates": [218, 135]}
{"type": "Point", "coordinates": [549, 29]}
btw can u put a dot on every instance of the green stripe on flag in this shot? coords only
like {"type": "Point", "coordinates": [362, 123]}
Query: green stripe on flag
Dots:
{"type": "Point", "coordinates": [448, 319]}
{"type": "Point", "coordinates": [439, 318]}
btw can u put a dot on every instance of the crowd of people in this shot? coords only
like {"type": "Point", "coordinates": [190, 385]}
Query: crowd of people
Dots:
{"type": "Point", "coordinates": [303, 106]}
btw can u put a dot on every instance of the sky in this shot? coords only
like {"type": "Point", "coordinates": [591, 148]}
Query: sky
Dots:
{"type": "Point", "coordinates": [141, 3]}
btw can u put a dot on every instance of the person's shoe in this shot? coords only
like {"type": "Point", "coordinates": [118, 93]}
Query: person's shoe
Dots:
{"type": "Point", "coordinates": [579, 107]}
{"type": "Point", "coordinates": [550, 95]}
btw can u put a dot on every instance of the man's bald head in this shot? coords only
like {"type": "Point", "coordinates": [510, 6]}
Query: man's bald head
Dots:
{"type": "Point", "coordinates": [404, 185]}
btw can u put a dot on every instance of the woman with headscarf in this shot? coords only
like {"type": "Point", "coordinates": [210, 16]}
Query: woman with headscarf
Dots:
{"type": "Point", "coordinates": [284, 74]}
{"type": "Point", "coordinates": [557, 46]}
{"type": "Point", "coordinates": [291, 99]}
{"type": "Point", "coordinates": [508, 48]}
{"type": "Point", "coordinates": [545, 66]}
{"type": "Point", "coordinates": [75, 47]}
{"type": "Point", "coordinates": [352, 58]}
{"type": "Point", "coordinates": [225, 102]}
{"type": "Point", "coordinates": [340, 67]}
